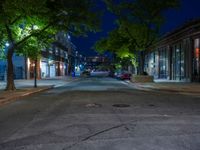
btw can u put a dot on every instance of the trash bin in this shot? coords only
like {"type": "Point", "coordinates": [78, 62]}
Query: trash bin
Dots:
{"type": "Point", "coordinates": [73, 74]}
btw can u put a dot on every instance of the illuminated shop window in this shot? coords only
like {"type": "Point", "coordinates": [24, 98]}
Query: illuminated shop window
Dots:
{"type": "Point", "coordinates": [196, 60]}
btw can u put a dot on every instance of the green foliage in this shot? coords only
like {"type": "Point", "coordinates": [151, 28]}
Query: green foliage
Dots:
{"type": "Point", "coordinates": [21, 20]}
{"type": "Point", "coordinates": [3, 49]}
{"type": "Point", "coordinates": [115, 42]}
{"type": "Point", "coordinates": [28, 25]}
{"type": "Point", "coordinates": [139, 22]}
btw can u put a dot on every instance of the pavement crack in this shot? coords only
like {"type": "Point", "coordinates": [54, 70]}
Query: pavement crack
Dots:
{"type": "Point", "coordinates": [103, 131]}
{"type": "Point", "coordinates": [93, 135]}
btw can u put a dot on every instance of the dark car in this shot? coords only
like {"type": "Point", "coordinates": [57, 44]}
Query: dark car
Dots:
{"type": "Point", "coordinates": [85, 73]}
{"type": "Point", "coordinates": [124, 76]}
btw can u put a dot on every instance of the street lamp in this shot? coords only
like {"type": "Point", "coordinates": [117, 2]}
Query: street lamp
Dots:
{"type": "Point", "coordinates": [35, 27]}
{"type": "Point", "coordinates": [33, 65]}
{"type": "Point", "coordinates": [68, 36]}
{"type": "Point", "coordinates": [7, 44]}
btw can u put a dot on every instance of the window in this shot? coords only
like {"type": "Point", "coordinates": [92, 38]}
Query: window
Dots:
{"type": "Point", "coordinates": [163, 63]}
{"type": "Point", "coordinates": [196, 60]}
{"type": "Point", "coordinates": [56, 51]}
{"type": "Point", "coordinates": [178, 62]}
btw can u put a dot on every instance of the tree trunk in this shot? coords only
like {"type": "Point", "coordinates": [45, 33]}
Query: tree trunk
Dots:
{"type": "Point", "coordinates": [141, 65]}
{"type": "Point", "coordinates": [10, 71]}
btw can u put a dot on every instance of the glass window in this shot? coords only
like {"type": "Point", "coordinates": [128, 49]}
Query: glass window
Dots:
{"type": "Point", "coordinates": [196, 60]}
{"type": "Point", "coordinates": [151, 64]}
{"type": "Point", "coordinates": [178, 62]}
{"type": "Point", "coordinates": [163, 63]}
{"type": "Point", "coordinates": [156, 66]}
{"type": "Point", "coordinates": [56, 50]}
{"type": "Point", "coordinates": [182, 62]}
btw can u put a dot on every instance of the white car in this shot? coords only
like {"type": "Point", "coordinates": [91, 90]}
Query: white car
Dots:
{"type": "Point", "coordinates": [98, 73]}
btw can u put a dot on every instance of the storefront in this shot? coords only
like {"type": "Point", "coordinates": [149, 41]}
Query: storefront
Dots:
{"type": "Point", "coordinates": [177, 56]}
{"type": "Point", "coordinates": [51, 68]}
{"type": "Point", "coordinates": [163, 55]}
{"type": "Point", "coordinates": [196, 60]}
{"type": "Point", "coordinates": [178, 62]}
{"type": "Point", "coordinates": [44, 69]}
{"type": "Point", "coordinates": [60, 68]}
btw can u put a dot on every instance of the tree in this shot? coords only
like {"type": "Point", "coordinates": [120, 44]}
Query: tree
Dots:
{"type": "Point", "coordinates": [118, 44]}
{"type": "Point", "coordinates": [139, 23]}
{"type": "Point", "coordinates": [23, 20]}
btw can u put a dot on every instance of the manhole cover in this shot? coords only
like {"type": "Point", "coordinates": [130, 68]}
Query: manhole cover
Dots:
{"type": "Point", "coordinates": [121, 105]}
{"type": "Point", "coordinates": [93, 105]}
{"type": "Point", "coordinates": [2, 97]}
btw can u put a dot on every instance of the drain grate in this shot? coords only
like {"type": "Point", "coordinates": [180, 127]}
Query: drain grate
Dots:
{"type": "Point", "coordinates": [121, 105]}
{"type": "Point", "coordinates": [93, 105]}
{"type": "Point", "coordinates": [151, 105]}
{"type": "Point", "coordinates": [2, 97]}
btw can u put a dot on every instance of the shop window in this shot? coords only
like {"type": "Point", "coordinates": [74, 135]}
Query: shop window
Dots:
{"type": "Point", "coordinates": [196, 60]}
{"type": "Point", "coordinates": [56, 51]}
{"type": "Point", "coordinates": [163, 63]}
{"type": "Point", "coordinates": [178, 62]}
{"type": "Point", "coordinates": [151, 64]}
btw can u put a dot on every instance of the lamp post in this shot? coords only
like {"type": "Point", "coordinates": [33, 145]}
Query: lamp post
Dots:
{"type": "Point", "coordinates": [35, 73]}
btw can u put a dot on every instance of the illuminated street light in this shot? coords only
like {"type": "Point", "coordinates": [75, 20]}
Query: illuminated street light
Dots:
{"type": "Point", "coordinates": [35, 27]}
{"type": "Point", "coordinates": [7, 44]}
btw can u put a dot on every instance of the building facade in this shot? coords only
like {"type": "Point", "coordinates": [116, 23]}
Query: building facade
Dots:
{"type": "Point", "coordinates": [19, 68]}
{"type": "Point", "coordinates": [177, 55]}
{"type": "Point", "coordinates": [55, 61]}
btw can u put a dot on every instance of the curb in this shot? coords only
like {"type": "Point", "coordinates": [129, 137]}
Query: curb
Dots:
{"type": "Point", "coordinates": [12, 99]}
{"type": "Point", "coordinates": [174, 91]}
{"type": "Point", "coordinates": [163, 89]}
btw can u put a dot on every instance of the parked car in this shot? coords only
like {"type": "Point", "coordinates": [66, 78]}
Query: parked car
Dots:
{"type": "Point", "coordinates": [85, 73]}
{"type": "Point", "coordinates": [123, 75]}
{"type": "Point", "coordinates": [99, 73]}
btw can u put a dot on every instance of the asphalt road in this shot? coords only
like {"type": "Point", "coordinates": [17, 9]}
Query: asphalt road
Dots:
{"type": "Point", "coordinates": [81, 116]}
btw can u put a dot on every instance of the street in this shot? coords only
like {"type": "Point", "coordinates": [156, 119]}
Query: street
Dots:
{"type": "Point", "coordinates": [101, 114]}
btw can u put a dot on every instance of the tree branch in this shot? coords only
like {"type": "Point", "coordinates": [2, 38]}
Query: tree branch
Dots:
{"type": "Point", "coordinates": [15, 20]}
{"type": "Point", "coordinates": [33, 34]}
{"type": "Point", "coordinates": [38, 33]}
{"type": "Point", "coordinates": [131, 36]}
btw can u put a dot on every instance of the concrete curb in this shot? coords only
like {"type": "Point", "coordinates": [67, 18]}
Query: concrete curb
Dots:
{"type": "Point", "coordinates": [167, 89]}
{"type": "Point", "coordinates": [14, 98]}
{"type": "Point", "coordinates": [4, 100]}
{"type": "Point", "coordinates": [175, 91]}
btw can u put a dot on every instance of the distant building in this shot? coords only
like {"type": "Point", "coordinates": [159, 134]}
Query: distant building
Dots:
{"type": "Point", "coordinates": [94, 61]}
{"type": "Point", "coordinates": [177, 55]}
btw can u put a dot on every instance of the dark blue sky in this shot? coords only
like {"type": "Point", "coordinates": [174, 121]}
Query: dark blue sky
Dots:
{"type": "Point", "coordinates": [174, 18]}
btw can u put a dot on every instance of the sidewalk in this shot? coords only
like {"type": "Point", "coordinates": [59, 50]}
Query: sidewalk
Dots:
{"type": "Point", "coordinates": [25, 88]}
{"type": "Point", "coordinates": [192, 88]}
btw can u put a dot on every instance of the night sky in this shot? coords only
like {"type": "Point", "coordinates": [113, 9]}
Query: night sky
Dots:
{"type": "Point", "coordinates": [174, 18]}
